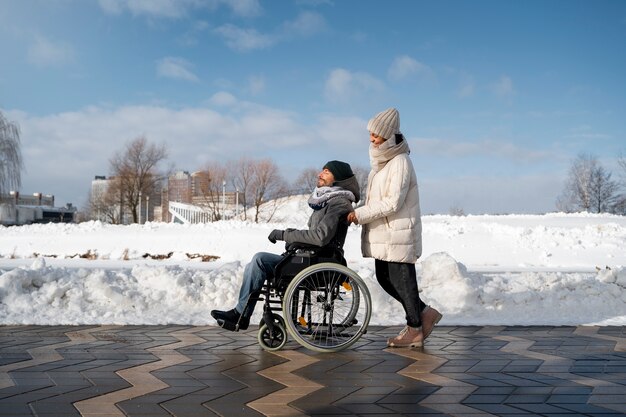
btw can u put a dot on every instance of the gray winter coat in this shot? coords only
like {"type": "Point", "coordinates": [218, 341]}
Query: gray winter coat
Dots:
{"type": "Point", "coordinates": [324, 223]}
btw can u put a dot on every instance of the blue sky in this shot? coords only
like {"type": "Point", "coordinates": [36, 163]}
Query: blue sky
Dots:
{"type": "Point", "coordinates": [496, 98]}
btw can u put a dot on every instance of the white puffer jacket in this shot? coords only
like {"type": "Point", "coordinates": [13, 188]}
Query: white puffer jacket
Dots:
{"type": "Point", "coordinates": [391, 218]}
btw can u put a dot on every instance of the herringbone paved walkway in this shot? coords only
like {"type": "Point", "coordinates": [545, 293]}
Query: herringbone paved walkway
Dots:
{"type": "Point", "coordinates": [100, 371]}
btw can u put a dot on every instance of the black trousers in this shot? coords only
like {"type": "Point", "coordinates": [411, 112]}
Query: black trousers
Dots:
{"type": "Point", "coordinates": [399, 280]}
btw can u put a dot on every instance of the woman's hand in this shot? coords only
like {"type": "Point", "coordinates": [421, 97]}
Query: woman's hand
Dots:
{"type": "Point", "coordinates": [352, 218]}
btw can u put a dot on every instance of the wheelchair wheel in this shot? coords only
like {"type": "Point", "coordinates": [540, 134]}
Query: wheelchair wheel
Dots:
{"type": "Point", "coordinates": [272, 340]}
{"type": "Point", "coordinates": [327, 307]}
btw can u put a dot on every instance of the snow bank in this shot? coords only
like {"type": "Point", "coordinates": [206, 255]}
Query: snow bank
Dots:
{"type": "Point", "coordinates": [478, 270]}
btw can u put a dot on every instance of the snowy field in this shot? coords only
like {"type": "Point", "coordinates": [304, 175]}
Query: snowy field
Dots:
{"type": "Point", "coordinates": [555, 269]}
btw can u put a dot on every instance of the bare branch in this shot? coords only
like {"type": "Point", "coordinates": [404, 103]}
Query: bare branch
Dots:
{"type": "Point", "coordinates": [267, 184]}
{"type": "Point", "coordinates": [11, 163]}
{"type": "Point", "coordinates": [306, 181]}
{"type": "Point", "coordinates": [135, 169]}
{"type": "Point", "coordinates": [589, 187]}
{"type": "Point", "coordinates": [209, 183]}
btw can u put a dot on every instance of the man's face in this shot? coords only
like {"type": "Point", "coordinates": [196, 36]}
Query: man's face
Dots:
{"type": "Point", "coordinates": [325, 178]}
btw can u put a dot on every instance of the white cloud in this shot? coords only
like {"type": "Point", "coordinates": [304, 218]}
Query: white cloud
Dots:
{"type": "Point", "coordinates": [586, 132]}
{"type": "Point", "coordinates": [490, 194]}
{"type": "Point", "coordinates": [404, 67]}
{"type": "Point", "coordinates": [503, 87]}
{"type": "Point", "coordinates": [244, 8]}
{"type": "Point", "coordinates": [256, 84]}
{"type": "Point", "coordinates": [111, 6]}
{"type": "Point", "coordinates": [359, 36]}
{"type": "Point", "coordinates": [314, 3]}
{"type": "Point", "coordinates": [466, 89]}
{"type": "Point", "coordinates": [175, 9]}
{"type": "Point", "coordinates": [46, 53]}
{"type": "Point", "coordinates": [177, 68]}
{"type": "Point", "coordinates": [306, 24]}
{"type": "Point", "coordinates": [247, 39]}
{"type": "Point", "coordinates": [62, 152]}
{"type": "Point", "coordinates": [344, 86]}
{"type": "Point", "coordinates": [190, 37]}
{"type": "Point", "coordinates": [467, 86]}
{"type": "Point", "coordinates": [153, 8]}
{"type": "Point", "coordinates": [488, 147]}
{"type": "Point", "coordinates": [244, 40]}
{"type": "Point", "coordinates": [466, 82]}
{"type": "Point", "coordinates": [223, 99]}
{"type": "Point", "coordinates": [352, 129]}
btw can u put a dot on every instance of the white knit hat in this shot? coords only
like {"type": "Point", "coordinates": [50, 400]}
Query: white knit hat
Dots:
{"type": "Point", "coordinates": [385, 124]}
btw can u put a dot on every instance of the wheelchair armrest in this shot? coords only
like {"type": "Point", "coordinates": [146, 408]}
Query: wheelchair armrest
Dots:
{"type": "Point", "coordinates": [292, 247]}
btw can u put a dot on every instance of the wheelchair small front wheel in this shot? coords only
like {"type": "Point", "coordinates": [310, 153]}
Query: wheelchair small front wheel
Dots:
{"type": "Point", "coordinates": [272, 340]}
{"type": "Point", "coordinates": [277, 319]}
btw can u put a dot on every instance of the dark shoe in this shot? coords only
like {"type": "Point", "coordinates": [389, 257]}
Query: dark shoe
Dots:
{"type": "Point", "coordinates": [430, 317]}
{"type": "Point", "coordinates": [231, 320]}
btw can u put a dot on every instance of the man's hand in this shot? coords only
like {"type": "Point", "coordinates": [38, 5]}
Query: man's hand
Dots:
{"type": "Point", "coordinates": [275, 235]}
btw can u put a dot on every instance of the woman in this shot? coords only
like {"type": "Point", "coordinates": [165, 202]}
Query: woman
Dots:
{"type": "Point", "coordinates": [392, 227]}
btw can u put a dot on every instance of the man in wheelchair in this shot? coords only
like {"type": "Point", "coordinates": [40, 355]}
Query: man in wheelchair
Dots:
{"type": "Point", "coordinates": [331, 201]}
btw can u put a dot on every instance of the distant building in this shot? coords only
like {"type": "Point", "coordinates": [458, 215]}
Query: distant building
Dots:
{"type": "Point", "coordinates": [200, 181]}
{"type": "Point", "coordinates": [179, 187]}
{"type": "Point", "coordinates": [189, 193]}
{"type": "Point", "coordinates": [99, 209]}
{"type": "Point", "coordinates": [106, 210]}
{"type": "Point", "coordinates": [19, 209]}
{"type": "Point", "coordinates": [99, 186]}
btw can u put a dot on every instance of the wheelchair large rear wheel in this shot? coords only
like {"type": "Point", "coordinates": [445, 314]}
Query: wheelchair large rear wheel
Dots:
{"type": "Point", "coordinates": [327, 307]}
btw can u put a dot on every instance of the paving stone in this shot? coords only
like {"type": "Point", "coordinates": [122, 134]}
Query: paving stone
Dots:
{"type": "Point", "coordinates": [473, 371]}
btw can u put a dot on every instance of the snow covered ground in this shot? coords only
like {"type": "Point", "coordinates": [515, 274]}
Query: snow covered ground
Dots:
{"type": "Point", "coordinates": [554, 269]}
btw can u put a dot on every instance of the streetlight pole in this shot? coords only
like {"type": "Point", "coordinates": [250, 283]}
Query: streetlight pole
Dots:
{"type": "Point", "coordinates": [147, 207]}
{"type": "Point", "coordinates": [224, 200]}
{"type": "Point", "coordinates": [139, 207]}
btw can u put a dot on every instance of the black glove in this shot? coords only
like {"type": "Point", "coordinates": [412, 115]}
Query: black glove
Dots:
{"type": "Point", "coordinates": [275, 235]}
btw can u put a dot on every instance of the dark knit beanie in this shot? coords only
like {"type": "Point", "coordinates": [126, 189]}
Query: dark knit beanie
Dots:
{"type": "Point", "coordinates": [341, 170]}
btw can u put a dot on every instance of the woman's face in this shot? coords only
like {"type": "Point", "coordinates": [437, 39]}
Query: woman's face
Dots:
{"type": "Point", "coordinates": [376, 140]}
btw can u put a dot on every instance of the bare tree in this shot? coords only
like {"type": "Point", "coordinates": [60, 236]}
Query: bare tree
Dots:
{"type": "Point", "coordinates": [456, 210]}
{"type": "Point", "coordinates": [306, 181]}
{"type": "Point", "coordinates": [213, 177]}
{"type": "Point", "coordinates": [588, 187]}
{"type": "Point", "coordinates": [603, 190]}
{"type": "Point", "coordinates": [10, 156]}
{"type": "Point", "coordinates": [362, 175]}
{"type": "Point", "coordinates": [621, 161]}
{"type": "Point", "coordinates": [619, 207]}
{"type": "Point", "coordinates": [136, 172]}
{"type": "Point", "coordinates": [113, 201]}
{"type": "Point", "coordinates": [243, 174]}
{"type": "Point", "coordinates": [267, 184]}
{"type": "Point", "coordinates": [103, 205]}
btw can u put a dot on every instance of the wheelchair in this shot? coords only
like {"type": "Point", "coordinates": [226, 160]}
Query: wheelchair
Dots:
{"type": "Point", "coordinates": [326, 307]}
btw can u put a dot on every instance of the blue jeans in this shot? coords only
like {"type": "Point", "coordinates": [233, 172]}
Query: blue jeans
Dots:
{"type": "Point", "coordinates": [260, 268]}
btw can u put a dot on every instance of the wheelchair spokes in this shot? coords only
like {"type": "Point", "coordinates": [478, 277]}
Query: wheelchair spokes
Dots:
{"type": "Point", "coordinates": [327, 307]}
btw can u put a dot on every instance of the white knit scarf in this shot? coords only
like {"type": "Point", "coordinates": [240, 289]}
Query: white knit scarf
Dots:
{"type": "Point", "coordinates": [385, 152]}
{"type": "Point", "coordinates": [321, 195]}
